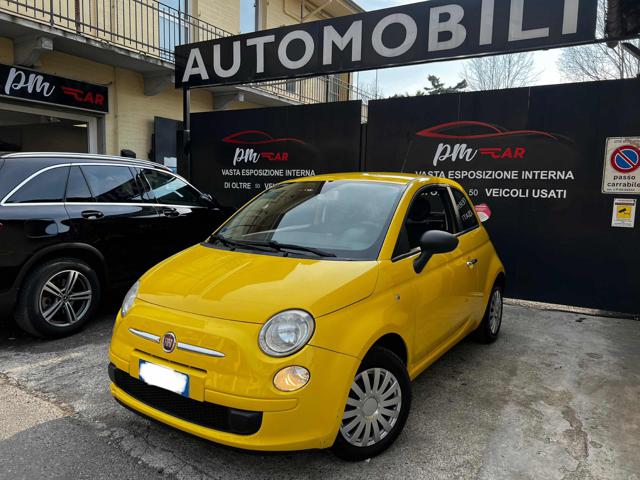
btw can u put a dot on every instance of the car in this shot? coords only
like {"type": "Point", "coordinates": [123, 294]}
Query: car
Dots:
{"type": "Point", "coordinates": [301, 321]}
{"type": "Point", "coordinates": [73, 225]}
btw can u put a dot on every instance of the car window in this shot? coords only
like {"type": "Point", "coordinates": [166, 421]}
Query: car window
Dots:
{"type": "Point", "coordinates": [77, 187]}
{"type": "Point", "coordinates": [429, 210]}
{"type": "Point", "coordinates": [467, 215]}
{"type": "Point", "coordinates": [48, 186]}
{"type": "Point", "coordinates": [111, 183]}
{"type": "Point", "coordinates": [171, 190]}
{"type": "Point", "coordinates": [348, 219]}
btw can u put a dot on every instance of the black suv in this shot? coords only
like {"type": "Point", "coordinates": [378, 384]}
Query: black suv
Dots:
{"type": "Point", "coordinates": [73, 224]}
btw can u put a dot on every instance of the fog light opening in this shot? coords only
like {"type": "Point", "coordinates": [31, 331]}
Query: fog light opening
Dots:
{"type": "Point", "coordinates": [290, 379]}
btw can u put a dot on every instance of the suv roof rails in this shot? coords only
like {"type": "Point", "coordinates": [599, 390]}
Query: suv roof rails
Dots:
{"type": "Point", "coordinates": [93, 156]}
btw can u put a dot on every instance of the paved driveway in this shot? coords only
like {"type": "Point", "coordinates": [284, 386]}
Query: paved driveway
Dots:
{"type": "Point", "coordinates": [557, 397]}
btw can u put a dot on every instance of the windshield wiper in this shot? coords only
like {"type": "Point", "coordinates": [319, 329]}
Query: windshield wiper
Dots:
{"type": "Point", "coordinates": [270, 246]}
{"type": "Point", "coordinates": [290, 246]}
{"type": "Point", "coordinates": [236, 244]}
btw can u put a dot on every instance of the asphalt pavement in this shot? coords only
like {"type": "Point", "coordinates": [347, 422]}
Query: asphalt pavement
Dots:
{"type": "Point", "coordinates": [556, 397]}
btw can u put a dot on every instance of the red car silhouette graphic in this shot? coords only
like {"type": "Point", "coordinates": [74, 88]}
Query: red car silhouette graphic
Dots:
{"type": "Point", "coordinates": [470, 130]}
{"type": "Point", "coordinates": [264, 145]}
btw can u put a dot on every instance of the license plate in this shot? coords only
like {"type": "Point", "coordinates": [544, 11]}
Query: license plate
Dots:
{"type": "Point", "coordinates": [164, 377]}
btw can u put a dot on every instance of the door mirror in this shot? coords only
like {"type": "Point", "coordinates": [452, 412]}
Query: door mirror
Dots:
{"type": "Point", "coordinates": [431, 243]}
{"type": "Point", "coordinates": [207, 200]}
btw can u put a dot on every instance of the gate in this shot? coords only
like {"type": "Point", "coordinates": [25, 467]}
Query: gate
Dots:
{"type": "Point", "coordinates": [534, 158]}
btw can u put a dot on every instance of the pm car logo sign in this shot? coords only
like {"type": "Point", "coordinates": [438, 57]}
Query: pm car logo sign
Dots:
{"type": "Point", "coordinates": [169, 342]}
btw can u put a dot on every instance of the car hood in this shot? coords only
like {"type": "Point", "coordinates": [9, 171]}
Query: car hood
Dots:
{"type": "Point", "coordinates": [253, 287]}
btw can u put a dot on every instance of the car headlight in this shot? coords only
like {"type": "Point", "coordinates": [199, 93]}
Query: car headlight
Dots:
{"type": "Point", "coordinates": [129, 298]}
{"type": "Point", "coordinates": [286, 332]}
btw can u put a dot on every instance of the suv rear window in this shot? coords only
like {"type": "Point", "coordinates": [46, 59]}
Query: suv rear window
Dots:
{"type": "Point", "coordinates": [77, 188]}
{"type": "Point", "coordinates": [47, 186]}
{"type": "Point", "coordinates": [112, 184]}
{"type": "Point", "coordinates": [171, 190]}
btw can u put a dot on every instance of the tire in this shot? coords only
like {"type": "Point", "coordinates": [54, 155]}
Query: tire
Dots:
{"type": "Point", "coordinates": [367, 415]}
{"type": "Point", "coordinates": [46, 309]}
{"type": "Point", "coordinates": [489, 329]}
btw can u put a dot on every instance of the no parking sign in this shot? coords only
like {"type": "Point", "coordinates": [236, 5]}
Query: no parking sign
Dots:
{"type": "Point", "coordinates": [622, 166]}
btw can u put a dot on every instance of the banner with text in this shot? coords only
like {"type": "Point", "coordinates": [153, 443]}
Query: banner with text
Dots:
{"type": "Point", "coordinates": [402, 35]}
{"type": "Point", "coordinates": [237, 154]}
{"type": "Point", "coordinates": [531, 159]}
{"type": "Point", "coordinates": [19, 83]}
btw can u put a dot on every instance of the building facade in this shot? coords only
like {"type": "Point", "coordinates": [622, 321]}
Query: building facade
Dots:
{"type": "Point", "coordinates": [93, 75]}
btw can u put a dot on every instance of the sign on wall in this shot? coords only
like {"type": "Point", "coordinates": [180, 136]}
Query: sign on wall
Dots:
{"type": "Point", "coordinates": [622, 166]}
{"type": "Point", "coordinates": [624, 213]}
{"type": "Point", "coordinates": [415, 33]}
{"type": "Point", "coordinates": [531, 159]}
{"type": "Point", "coordinates": [237, 154]}
{"type": "Point", "coordinates": [34, 86]}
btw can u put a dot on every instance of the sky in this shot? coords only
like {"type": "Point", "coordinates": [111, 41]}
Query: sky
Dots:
{"type": "Point", "coordinates": [412, 78]}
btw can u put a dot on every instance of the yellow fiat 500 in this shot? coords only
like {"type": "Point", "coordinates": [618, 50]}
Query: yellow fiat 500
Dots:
{"type": "Point", "coordinates": [300, 323]}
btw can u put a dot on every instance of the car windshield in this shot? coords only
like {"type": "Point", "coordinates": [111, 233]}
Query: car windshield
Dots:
{"type": "Point", "coordinates": [342, 219]}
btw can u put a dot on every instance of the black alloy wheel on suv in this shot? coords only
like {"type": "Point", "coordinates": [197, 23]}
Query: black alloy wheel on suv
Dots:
{"type": "Point", "coordinates": [72, 225]}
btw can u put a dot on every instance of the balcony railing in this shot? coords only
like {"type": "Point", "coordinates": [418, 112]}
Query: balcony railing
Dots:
{"type": "Point", "coordinates": [148, 27]}
{"type": "Point", "coordinates": [152, 28]}
{"type": "Point", "coordinates": [328, 88]}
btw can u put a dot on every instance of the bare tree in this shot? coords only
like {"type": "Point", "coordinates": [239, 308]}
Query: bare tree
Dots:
{"type": "Point", "coordinates": [370, 89]}
{"type": "Point", "coordinates": [503, 71]}
{"type": "Point", "coordinates": [598, 61]}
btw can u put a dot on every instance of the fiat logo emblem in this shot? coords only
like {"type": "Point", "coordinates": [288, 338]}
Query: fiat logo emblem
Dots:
{"type": "Point", "coordinates": [169, 342]}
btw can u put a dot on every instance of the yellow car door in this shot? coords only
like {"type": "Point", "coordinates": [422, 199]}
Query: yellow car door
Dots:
{"type": "Point", "coordinates": [441, 291]}
{"type": "Point", "coordinates": [475, 248]}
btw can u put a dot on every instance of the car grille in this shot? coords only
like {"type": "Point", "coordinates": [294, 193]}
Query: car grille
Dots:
{"type": "Point", "coordinates": [205, 414]}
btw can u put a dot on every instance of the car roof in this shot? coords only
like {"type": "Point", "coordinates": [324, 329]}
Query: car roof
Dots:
{"type": "Point", "coordinates": [52, 158]}
{"type": "Point", "coordinates": [389, 177]}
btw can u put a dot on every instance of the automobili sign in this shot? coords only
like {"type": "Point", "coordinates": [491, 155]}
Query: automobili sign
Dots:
{"type": "Point", "coordinates": [415, 33]}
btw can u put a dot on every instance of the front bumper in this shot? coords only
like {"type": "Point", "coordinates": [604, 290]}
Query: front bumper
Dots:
{"type": "Point", "coordinates": [237, 390]}
{"type": "Point", "coordinates": [206, 414]}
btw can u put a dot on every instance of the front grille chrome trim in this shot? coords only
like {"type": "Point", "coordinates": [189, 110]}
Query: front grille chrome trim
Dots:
{"type": "Point", "coordinates": [180, 346]}
{"type": "Point", "coordinates": [195, 349]}
{"type": "Point", "coordinates": [147, 336]}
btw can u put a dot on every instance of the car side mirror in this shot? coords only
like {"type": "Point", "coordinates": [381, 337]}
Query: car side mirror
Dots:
{"type": "Point", "coordinates": [207, 200]}
{"type": "Point", "coordinates": [432, 243]}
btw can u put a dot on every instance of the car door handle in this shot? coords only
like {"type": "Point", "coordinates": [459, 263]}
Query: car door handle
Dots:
{"type": "Point", "coordinates": [92, 214]}
{"type": "Point", "coordinates": [170, 212]}
{"type": "Point", "coordinates": [472, 262]}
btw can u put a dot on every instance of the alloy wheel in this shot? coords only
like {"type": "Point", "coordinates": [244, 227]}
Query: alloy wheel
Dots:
{"type": "Point", "coordinates": [65, 298]}
{"type": "Point", "coordinates": [495, 312]}
{"type": "Point", "coordinates": [373, 407]}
